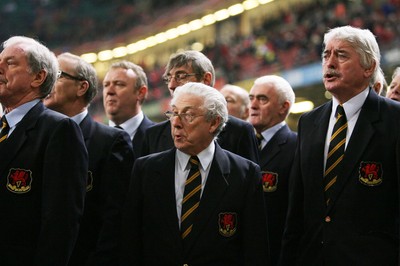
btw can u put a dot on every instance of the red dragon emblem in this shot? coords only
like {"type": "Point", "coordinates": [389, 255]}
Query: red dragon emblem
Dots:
{"type": "Point", "coordinates": [19, 180]}
{"type": "Point", "coordinates": [370, 173]}
{"type": "Point", "coordinates": [227, 223]}
{"type": "Point", "coordinates": [269, 181]}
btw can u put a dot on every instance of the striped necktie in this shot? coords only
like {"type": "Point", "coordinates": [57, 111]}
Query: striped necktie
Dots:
{"type": "Point", "coordinates": [335, 152]}
{"type": "Point", "coordinates": [191, 198]}
{"type": "Point", "coordinates": [4, 129]}
{"type": "Point", "coordinates": [259, 138]}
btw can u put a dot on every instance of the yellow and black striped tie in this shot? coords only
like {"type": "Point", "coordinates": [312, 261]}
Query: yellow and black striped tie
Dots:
{"type": "Point", "coordinates": [335, 153]}
{"type": "Point", "coordinates": [191, 197]}
{"type": "Point", "coordinates": [259, 138]}
{"type": "Point", "coordinates": [4, 129]}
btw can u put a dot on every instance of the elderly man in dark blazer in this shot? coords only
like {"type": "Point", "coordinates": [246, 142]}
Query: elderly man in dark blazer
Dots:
{"type": "Point", "coordinates": [271, 98]}
{"type": "Point", "coordinates": [220, 220]}
{"type": "Point", "coordinates": [193, 66]}
{"type": "Point", "coordinates": [110, 162]}
{"type": "Point", "coordinates": [43, 159]}
{"type": "Point", "coordinates": [344, 190]}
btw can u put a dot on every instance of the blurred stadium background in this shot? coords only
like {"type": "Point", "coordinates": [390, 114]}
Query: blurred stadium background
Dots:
{"type": "Point", "coordinates": [244, 40]}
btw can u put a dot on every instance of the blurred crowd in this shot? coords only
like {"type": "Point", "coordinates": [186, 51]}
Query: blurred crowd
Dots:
{"type": "Point", "coordinates": [285, 41]}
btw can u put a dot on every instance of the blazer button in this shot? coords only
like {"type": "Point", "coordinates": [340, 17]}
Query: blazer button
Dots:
{"type": "Point", "coordinates": [328, 219]}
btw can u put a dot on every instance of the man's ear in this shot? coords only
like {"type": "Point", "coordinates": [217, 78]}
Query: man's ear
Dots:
{"type": "Point", "coordinates": [83, 88]}
{"type": "Point", "coordinates": [142, 92]}
{"type": "Point", "coordinates": [39, 78]}
{"type": "Point", "coordinates": [207, 78]}
{"type": "Point", "coordinates": [215, 124]}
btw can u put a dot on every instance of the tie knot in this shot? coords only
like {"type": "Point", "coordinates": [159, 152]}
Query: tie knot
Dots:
{"type": "Point", "coordinates": [4, 123]}
{"type": "Point", "coordinates": [340, 111]}
{"type": "Point", "coordinates": [194, 161]}
{"type": "Point", "coordinates": [259, 137]}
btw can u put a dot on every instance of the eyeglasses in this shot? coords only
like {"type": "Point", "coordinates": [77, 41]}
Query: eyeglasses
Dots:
{"type": "Point", "coordinates": [62, 74]}
{"type": "Point", "coordinates": [185, 117]}
{"type": "Point", "coordinates": [179, 77]}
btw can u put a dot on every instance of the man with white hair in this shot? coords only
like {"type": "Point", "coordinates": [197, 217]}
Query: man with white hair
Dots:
{"type": "Point", "coordinates": [195, 204]}
{"type": "Point", "coordinates": [271, 98]}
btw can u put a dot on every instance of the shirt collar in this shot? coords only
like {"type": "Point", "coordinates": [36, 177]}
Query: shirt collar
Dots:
{"type": "Point", "coordinates": [352, 106]}
{"type": "Point", "coordinates": [79, 117]}
{"type": "Point", "coordinates": [131, 125]}
{"type": "Point", "coordinates": [270, 132]}
{"type": "Point", "coordinates": [16, 115]}
{"type": "Point", "coordinates": [205, 157]}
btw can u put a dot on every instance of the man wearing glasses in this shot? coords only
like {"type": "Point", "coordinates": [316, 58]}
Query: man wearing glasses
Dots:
{"type": "Point", "coordinates": [195, 204]}
{"type": "Point", "coordinates": [110, 161]}
{"type": "Point", "coordinates": [193, 66]}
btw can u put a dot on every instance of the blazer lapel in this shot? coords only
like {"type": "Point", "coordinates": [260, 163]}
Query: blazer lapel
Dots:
{"type": "Point", "coordinates": [216, 185]}
{"type": "Point", "coordinates": [273, 147]}
{"type": "Point", "coordinates": [165, 188]}
{"type": "Point", "coordinates": [11, 146]}
{"type": "Point", "coordinates": [362, 133]}
{"type": "Point", "coordinates": [87, 127]}
{"type": "Point", "coordinates": [318, 137]}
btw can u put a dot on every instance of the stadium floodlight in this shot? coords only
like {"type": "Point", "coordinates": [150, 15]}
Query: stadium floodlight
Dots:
{"type": "Point", "coordinates": [302, 107]}
{"type": "Point", "coordinates": [250, 4]}
{"type": "Point", "coordinates": [183, 29]}
{"type": "Point", "coordinates": [120, 52]}
{"type": "Point", "coordinates": [89, 57]}
{"type": "Point", "coordinates": [235, 9]}
{"type": "Point", "coordinates": [208, 19]}
{"type": "Point", "coordinates": [221, 14]}
{"type": "Point", "coordinates": [262, 2]}
{"type": "Point", "coordinates": [196, 24]}
{"type": "Point", "coordinates": [161, 37]}
{"type": "Point", "coordinates": [105, 55]}
{"type": "Point", "coordinates": [151, 41]}
{"type": "Point", "coordinates": [172, 33]}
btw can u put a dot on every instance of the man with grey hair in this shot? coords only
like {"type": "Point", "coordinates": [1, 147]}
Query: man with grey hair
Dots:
{"type": "Point", "coordinates": [43, 158]}
{"type": "Point", "coordinates": [125, 89]}
{"type": "Point", "coordinates": [237, 100]}
{"type": "Point", "coordinates": [271, 98]}
{"type": "Point", "coordinates": [110, 162]}
{"type": "Point", "coordinates": [193, 66]}
{"type": "Point", "coordinates": [195, 204]}
{"type": "Point", "coordinates": [344, 186]}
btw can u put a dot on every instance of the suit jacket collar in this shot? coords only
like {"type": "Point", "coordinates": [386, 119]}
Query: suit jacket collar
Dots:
{"type": "Point", "coordinates": [19, 135]}
{"type": "Point", "coordinates": [87, 128]}
{"type": "Point", "coordinates": [274, 145]}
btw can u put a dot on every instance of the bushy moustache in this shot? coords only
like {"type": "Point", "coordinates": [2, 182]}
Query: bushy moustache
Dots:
{"type": "Point", "coordinates": [331, 73]}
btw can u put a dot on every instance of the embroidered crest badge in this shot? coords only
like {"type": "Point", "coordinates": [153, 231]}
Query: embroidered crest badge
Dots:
{"type": "Point", "coordinates": [19, 180]}
{"type": "Point", "coordinates": [269, 181]}
{"type": "Point", "coordinates": [89, 182]}
{"type": "Point", "coordinates": [370, 173]}
{"type": "Point", "coordinates": [227, 223]}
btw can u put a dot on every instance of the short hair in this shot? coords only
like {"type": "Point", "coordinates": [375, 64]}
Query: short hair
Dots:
{"type": "Point", "coordinates": [141, 75]}
{"type": "Point", "coordinates": [85, 71]}
{"type": "Point", "coordinates": [241, 93]}
{"type": "Point", "coordinates": [39, 58]}
{"type": "Point", "coordinates": [282, 87]}
{"type": "Point", "coordinates": [197, 60]}
{"type": "Point", "coordinates": [214, 101]}
{"type": "Point", "coordinates": [362, 40]}
{"type": "Point", "coordinates": [396, 72]}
